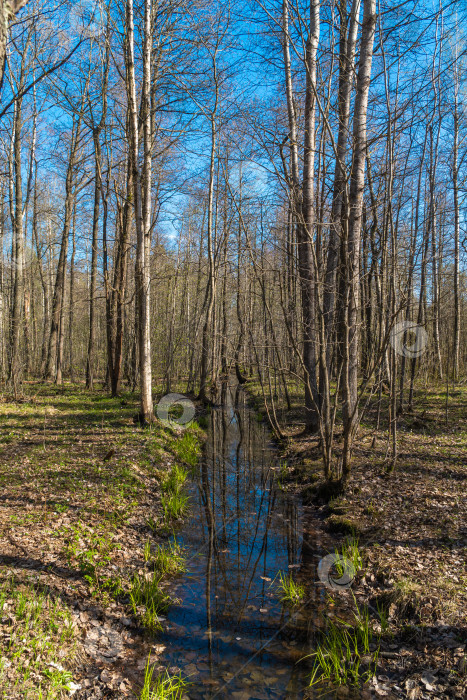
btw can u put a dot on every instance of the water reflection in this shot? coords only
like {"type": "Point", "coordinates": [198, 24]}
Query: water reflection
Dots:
{"type": "Point", "coordinates": [230, 634]}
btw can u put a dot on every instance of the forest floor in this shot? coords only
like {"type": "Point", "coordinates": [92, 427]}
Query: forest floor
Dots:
{"type": "Point", "coordinates": [86, 510]}
{"type": "Point", "coordinates": [87, 503]}
{"type": "Point", "coordinates": [411, 527]}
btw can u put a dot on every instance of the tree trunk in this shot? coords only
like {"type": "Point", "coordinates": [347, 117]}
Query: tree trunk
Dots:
{"type": "Point", "coordinates": [352, 262]}
{"type": "Point", "coordinates": [308, 264]}
{"type": "Point", "coordinates": [8, 9]}
{"type": "Point", "coordinates": [347, 47]}
{"type": "Point", "coordinates": [94, 244]}
{"type": "Point", "coordinates": [142, 201]}
{"type": "Point", "coordinates": [455, 180]}
{"type": "Point", "coordinates": [59, 288]}
{"type": "Point", "coordinates": [211, 288]}
{"type": "Point", "coordinates": [18, 288]}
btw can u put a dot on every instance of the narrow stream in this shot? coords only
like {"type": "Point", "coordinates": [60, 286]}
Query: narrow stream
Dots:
{"type": "Point", "coordinates": [230, 634]}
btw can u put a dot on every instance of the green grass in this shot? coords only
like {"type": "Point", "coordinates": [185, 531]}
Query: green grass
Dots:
{"type": "Point", "coordinates": [169, 559]}
{"type": "Point", "coordinates": [174, 481]}
{"type": "Point", "coordinates": [164, 687]}
{"type": "Point", "coordinates": [174, 506]}
{"type": "Point", "coordinates": [343, 655]}
{"type": "Point", "coordinates": [283, 475]}
{"type": "Point", "coordinates": [383, 618]}
{"type": "Point", "coordinates": [83, 517]}
{"type": "Point", "coordinates": [147, 551]}
{"type": "Point", "coordinates": [40, 629]}
{"type": "Point", "coordinates": [350, 551]}
{"type": "Point", "coordinates": [173, 501]}
{"type": "Point", "coordinates": [187, 447]}
{"type": "Point", "coordinates": [152, 523]}
{"type": "Point", "coordinates": [148, 600]}
{"type": "Point", "coordinates": [93, 550]}
{"type": "Point", "coordinates": [59, 679]}
{"type": "Point", "coordinates": [292, 592]}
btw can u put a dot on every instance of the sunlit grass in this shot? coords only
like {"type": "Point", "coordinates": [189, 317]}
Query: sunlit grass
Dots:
{"type": "Point", "coordinates": [343, 645]}
{"type": "Point", "coordinates": [147, 551]}
{"type": "Point", "coordinates": [187, 447]}
{"type": "Point", "coordinates": [168, 559]}
{"type": "Point", "coordinates": [292, 592]}
{"type": "Point", "coordinates": [148, 600]}
{"type": "Point", "coordinates": [164, 687]}
{"type": "Point", "coordinates": [173, 501]}
{"type": "Point", "coordinates": [174, 506]}
{"type": "Point", "coordinates": [349, 550]}
{"type": "Point", "coordinates": [175, 479]}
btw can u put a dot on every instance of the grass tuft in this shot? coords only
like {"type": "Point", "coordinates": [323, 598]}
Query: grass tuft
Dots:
{"type": "Point", "coordinates": [148, 599]}
{"type": "Point", "coordinates": [169, 560]}
{"type": "Point", "coordinates": [174, 506]}
{"type": "Point", "coordinates": [164, 687]}
{"type": "Point", "coordinates": [343, 654]}
{"type": "Point", "coordinates": [174, 502]}
{"type": "Point", "coordinates": [349, 550]}
{"type": "Point", "coordinates": [292, 593]}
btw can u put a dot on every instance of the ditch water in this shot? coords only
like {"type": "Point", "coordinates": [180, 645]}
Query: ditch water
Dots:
{"type": "Point", "coordinates": [230, 635]}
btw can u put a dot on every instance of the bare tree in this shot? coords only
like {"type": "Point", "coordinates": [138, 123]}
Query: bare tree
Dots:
{"type": "Point", "coordinates": [351, 238]}
{"type": "Point", "coordinates": [8, 10]}
{"type": "Point", "coordinates": [142, 197]}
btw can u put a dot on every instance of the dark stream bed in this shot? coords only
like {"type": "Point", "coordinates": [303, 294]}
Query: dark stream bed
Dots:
{"type": "Point", "coordinates": [230, 635]}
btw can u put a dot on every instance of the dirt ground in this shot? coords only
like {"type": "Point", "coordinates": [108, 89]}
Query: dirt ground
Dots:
{"type": "Point", "coordinates": [411, 527]}
{"type": "Point", "coordinates": [81, 497]}
{"type": "Point", "coordinates": [80, 500]}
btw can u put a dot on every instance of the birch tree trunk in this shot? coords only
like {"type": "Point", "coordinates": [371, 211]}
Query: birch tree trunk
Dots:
{"type": "Point", "coordinates": [94, 244]}
{"type": "Point", "coordinates": [18, 288]}
{"type": "Point", "coordinates": [308, 266]}
{"type": "Point", "coordinates": [116, 296]}
{"type": "Point", "coordinates": [352, 263]}
{"type": "Point", "coordinates": [347, 48]}
{"type": "Point", "coordinates": [302, 201]}
{"type": "Point", "coordinates": [455, 182]}
{"type": "Point", "coordinates": [8, 9]}
{"type": "Point", "coordinates": [142, 200]}
{"type": "Point", "coordinates": [59, 288]}
{"type": "Point", "coordinates": [211, 284]}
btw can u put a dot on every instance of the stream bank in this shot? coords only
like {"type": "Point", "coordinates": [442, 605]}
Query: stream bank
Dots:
{"type": "Point", "coordinates": [86, 497]}
{"type": "Point", "coordinates": [411, 526]}
{"type": "Point", "coordinates": [82, 495]}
